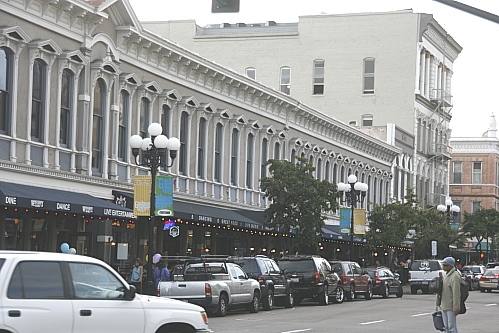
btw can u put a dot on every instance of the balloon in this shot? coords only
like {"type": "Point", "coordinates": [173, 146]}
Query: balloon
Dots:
{"type": "Point", "coordinates": [72, 250]}
{"type": "Point", "coordinates": [156, 258]}
{"type": "Point", "coordinates": [64, 247]}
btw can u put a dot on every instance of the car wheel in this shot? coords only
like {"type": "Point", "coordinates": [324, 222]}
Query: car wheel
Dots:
{"type": "Point", "coordinates": [386, 291]}
{"type": "Point", "coordinates": [340, 295]}
{"type": "Point", "coordinates": [351, 294]}
{"type": "Point", "coordinates": [221, 310]}
{"type": "Point", "coordinates": [254, 306]}
{"type": "Point", "coordinates": [324, 296]}
{"type": "Point", "coordinates": [268, 302]}
{"type": "Point", "coordinates": [176, 328]}
{"type": "Point", "coordinates": [414, 290]}
{"type": "Point", "coordinates": [290, 298]}
{"type": "Point", "coordinates": [369, 293]}
{"type": "Point", "coordinates": [400, 292]}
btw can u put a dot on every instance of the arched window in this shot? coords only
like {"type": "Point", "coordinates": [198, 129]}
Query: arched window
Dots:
{"type": "Point", "coordinates": [335, 173]}
{"type": "Point", "coordinates": [123, 125]}
{"type": "Point", "coordinates": [277, 151]}
{"type": "Point", "coordinates": [381, 192]}
{"type": "Point", "coordinates": [38, 98]}
{"type": "Point", "coordinates": [166, 119]}
{"type": "Point", "coordinates": [342, 175]}
{"type": "Point", "coordinates": [328, 170]}
{"type": "Point", "coordinates": [5, 90]}
{"type": "Point", "coordinates": [201, 147]}
{"type": "Point", "coordinates": [319, 169]}
{"type": "Point", "coordinates": [184, 137]}
{"type": "Point", "coordinates": [233, 156]}
{"type": "Point", "coordinates": [67, 88]}
{"type": "Point", "coordinates": [249, 160]}
{"type": "Point", "coordinates": [144, 115]}
{"type": "Point", "coordinates": [265, 157]}
{"type": "Point", "coordinates": [218, 152]}
{"type": "Point", "coordinates": [98, 125]}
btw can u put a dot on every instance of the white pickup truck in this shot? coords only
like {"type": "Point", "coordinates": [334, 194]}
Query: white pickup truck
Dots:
{"type": "Point", "coordinates": [215, 286]}
{"type": "Point", "coordinates": [422, 272]}
{"type": "Point", "coordinates": [64, 293]}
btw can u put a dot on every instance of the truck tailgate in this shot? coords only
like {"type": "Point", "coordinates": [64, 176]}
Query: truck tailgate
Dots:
{"type": "Point", "coordinates": [182, 289]}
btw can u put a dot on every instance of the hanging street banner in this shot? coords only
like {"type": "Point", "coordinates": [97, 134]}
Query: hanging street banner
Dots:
{"type": "Point", "coordinates": [345, 218]}
{"type": "Point", "coordinates": [359, 221]}
{"type": "Point", "coordinates": [164, 196]}
{"type": "Point", "coordinates": [141, 195]}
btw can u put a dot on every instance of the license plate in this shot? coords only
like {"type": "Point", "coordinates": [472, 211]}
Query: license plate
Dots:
{"type": "Point", "coordinates": [295, 279]}
{"type": "Point", "coordinates": [493, 280]}
{"type": "Point", "coordinates": [424, 282]}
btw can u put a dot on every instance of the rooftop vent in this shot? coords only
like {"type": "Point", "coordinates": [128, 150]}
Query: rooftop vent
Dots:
{"type": "Point", "coordinates": [241, 24]}
{"type": "Point", "coordinates": [224, 25]}
{"type": "Point", "coordinates": [270, 23]}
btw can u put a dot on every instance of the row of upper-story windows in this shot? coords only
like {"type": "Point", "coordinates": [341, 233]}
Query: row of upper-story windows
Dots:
{"type": "Point", "coordinates": [431, 140]}
{"type": "Point", "coordinates": [318, 77]}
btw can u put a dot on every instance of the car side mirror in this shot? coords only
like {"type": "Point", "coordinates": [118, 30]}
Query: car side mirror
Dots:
{"type": "Point", "coordinates": [130, 293]}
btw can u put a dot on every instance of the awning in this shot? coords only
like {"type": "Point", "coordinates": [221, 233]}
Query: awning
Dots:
{"type": "Point", "coordinates": [333, 232]}
{"type": "Point", "coordinates": [32, 197]}
{"type": "Point", "coordinates": [219, 216]}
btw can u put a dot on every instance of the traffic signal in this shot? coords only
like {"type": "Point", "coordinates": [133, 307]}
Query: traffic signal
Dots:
{"type": "Point", "coordinates": [225, 6]}
{"type": "Point", "coordinates": [482, 255]}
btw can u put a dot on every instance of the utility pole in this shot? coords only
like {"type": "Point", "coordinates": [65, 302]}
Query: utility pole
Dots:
{"type": "Point", "coordinates": [470, 10]}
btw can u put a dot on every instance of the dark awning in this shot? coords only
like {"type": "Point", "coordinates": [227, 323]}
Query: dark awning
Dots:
{"type": "Point", "coordinates": [333, 232]}
{"type": "Point", "coordinates": [25, 196]}
{"type": "Point", "coordinates": [210, 214]}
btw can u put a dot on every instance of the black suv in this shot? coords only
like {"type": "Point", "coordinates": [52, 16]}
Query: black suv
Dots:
{"type": "Point", "coordinates": [312, 277]}
{"type": "Point", "coordinates": [273, 283]}
{"type": "Point", "coordinates": [385, 283]}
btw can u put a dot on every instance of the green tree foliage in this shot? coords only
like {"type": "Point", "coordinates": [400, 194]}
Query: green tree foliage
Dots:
{"type": "Point", "coordinates": [389, 224]}
{"type": "Point", "coordinates": [481, 224]}
{"type": "Point", "coordinates": [298, 201]}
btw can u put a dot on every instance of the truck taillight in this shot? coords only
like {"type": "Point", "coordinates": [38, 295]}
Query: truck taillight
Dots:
{"type": "Point", "coordinates": [317, 278]}
{"type": "Point", "coordinates": [409, 275]}
{"type": "Point", "coordinates": [207, 289]}
{"type": "Point", "coordinates": [484, 278]}
{"type": "Point", "coordinates": [261, 279]}
{"type": "Point", "coordinates": [157, 290]}
{"type": "Point", "coordinates": [345, 280]}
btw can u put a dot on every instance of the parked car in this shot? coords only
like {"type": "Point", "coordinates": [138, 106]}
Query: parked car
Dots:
{"type": "Point", "coordinates": [422, 272]}
{"type": "Point", "coordinates": [385, 283]}
{"type": "Point", "coordinates": [60, 293]}
{"type": "Point", "coordinates": [216, 285]}
{"type": "Point", "coordinates": [489, 280]}
{"type": "Point", "coordinates": [312, 277]}
{"type": "Point", "coordinates": [354, 279]}
{"type": "Point", "coordinates": [472, 274]}
{"type": "Point", "coordinates": [274, 285]}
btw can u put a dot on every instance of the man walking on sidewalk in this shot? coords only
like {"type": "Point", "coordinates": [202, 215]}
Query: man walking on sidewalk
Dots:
{"type": "Point", "coordinates": [450, 300]}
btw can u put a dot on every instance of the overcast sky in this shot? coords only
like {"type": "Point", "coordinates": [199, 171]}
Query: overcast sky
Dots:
{"type": "Point", "coordinates": [475, 83]}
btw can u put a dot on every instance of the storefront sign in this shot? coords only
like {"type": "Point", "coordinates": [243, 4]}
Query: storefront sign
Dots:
{"type": "Point", "coordinates": [63, 206]}
{"type": "Point", "coordinates": [11, 200]}
{"type": "Point", "coordinates": [37, 203]}
{"type": "Point", "coordinates": [118, 213]}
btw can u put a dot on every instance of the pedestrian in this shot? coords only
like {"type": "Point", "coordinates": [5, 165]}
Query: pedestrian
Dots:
{"type": "Point", "coordinates": [450, 300]}
{"type": "Point", "coordinates": [161, 273]}
{"type": "Point", "coordinates": [136, 276]}
{"type": "Point", "coordinates": [409, 262]}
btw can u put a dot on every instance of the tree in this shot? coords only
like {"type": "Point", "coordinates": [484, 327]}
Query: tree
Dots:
{"type": "Point", "coordinates": [390, 224]}
{"type": "Point", "coordinates": [481, 224]}
{"type": "Point", "coordinates": [298, 201]}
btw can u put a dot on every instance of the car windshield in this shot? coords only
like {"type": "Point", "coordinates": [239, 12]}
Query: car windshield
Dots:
{"type": "Point", "coordinates": [249, 266]}
{"type": "Point", "coordinates": [297, 266]}
{"type": "Point", "coordinates": [425, 265]}
{"type": "Point", "coordinates": [492, 272]}
{"type": "Point", "coordinates": [475, 269]}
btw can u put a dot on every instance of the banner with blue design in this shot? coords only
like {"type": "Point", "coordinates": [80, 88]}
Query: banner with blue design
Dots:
{"type": "Point", "coordinates": [345, 218]}
{"type": "Point", "coordinates": [164, 196]}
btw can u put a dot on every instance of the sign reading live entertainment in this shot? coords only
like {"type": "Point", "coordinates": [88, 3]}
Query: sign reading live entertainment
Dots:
{"type": "Point", "coordinates": [142, 195]}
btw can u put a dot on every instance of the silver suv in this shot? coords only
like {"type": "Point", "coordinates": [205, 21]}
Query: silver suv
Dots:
{"type": "Point", "coordinates": [422, 272]}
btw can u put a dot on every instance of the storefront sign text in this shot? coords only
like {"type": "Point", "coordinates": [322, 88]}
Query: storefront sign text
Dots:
{"type": "Point", "coordinates": [37, 203]}
{"type": "Point", "coordinates": [11, 200]}
{"type": "Point", "coordinates": [63, 206]}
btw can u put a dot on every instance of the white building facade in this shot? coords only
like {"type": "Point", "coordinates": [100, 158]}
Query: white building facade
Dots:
{"type": "Point", "coordinates": [388, 74]}
{"type": "Point", "coordinates": [78, 78]}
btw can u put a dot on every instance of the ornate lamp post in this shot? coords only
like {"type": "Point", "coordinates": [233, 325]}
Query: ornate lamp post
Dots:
{"type": "Point", "coordinates": [355, 192]}
{"type": "Point", "coordinates": [153, 156]}
{"type": "Point", "coordinates": [449, 208]}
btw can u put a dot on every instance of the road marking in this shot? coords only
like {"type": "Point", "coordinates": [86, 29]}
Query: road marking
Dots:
{"type": "Point", "coordinates": [421, 314]}
{"type": "Point", "coordinates": [490, 304]}
{"type": "Point", "coordinates": [307, 329]}
{"type": "Point", "coordinates": [372, 322]}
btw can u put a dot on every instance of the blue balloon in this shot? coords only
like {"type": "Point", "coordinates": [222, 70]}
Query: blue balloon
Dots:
{"type": "Point", "coordinates": [65, 247]}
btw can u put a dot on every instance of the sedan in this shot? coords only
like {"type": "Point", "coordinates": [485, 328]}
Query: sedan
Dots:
{"type": "Point", "coordinates": [385, 283]}
{"type": "Point", "coordinates": [489, 280]}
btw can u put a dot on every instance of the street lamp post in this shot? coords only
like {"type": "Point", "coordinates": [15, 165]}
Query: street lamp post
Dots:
{"type": "Point", "coordinates": [355, 192]}
{"type": "Point", "coordinates": [153, 156]}
{"type": "Point", "coordinates": [449, 208]}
